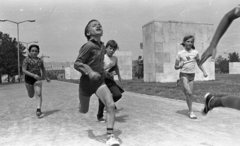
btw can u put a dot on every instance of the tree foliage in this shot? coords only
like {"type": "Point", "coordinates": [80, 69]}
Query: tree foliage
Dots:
{"type": "Point", "coordinates": [221, 65]}
{"type": "Point", "coordinates": [9, 55]}
{"type": "Point", "coordinates": [233, 57]}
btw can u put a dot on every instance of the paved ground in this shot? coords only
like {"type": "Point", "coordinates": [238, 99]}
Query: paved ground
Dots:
{"type": "Point", "coordinates": [142, 120]}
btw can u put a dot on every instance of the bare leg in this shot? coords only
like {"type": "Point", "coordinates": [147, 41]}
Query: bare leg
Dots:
{"type": "Point", "coordinates": [30, 90]}
{"type": "Point", "coordinates": [106, 97]}
{"type": "Point", "coordinates": [84, 103]}
{"type": "Point", "coordinates": [38, 93]}
{"type": "Point", "coordinates": [188, 91]}
{"type": "Point", "coordinates": [227, 101]}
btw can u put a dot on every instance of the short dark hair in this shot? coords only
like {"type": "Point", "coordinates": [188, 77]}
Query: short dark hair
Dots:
{"type": "Point", "coordinates": [33, 45]}
{"type": "Point", "coordinates": [112, 44]}
{"type": "Point", "coordinates": [86, 29]}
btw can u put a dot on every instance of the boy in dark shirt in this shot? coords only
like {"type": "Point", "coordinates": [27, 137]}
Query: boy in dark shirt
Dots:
{"type": "Point", "coordinates": [90, 63]}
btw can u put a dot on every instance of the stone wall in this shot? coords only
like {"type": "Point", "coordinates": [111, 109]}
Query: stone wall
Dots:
{"type": "Point", "coordinates": [234, 67]}
{"type": "Point", "coordinates": [124, 64]}
{"type": "Point", "coordinates": [72, 73]}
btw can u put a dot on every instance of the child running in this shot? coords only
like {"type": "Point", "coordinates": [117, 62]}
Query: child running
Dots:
{"type": "Point", "coordinates": [185, 61]}
{"type": "Point", "coordinates": [110, 67]}
{"type": "Point", "coordinates": [227, 101]}
{"type": "Point", "coordinates": [34, 71]}
{"type": "Point", "coordinates": [90, 63]}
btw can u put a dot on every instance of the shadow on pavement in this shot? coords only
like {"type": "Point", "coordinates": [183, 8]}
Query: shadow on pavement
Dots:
{"type": "Point", "coordinates": [183, 112]}
{"type": "Point", "coordinates": [47, 113]}
{"type": "Point", "coordinates": [103, 138]}
{"type": "Point", "coordinates": [121, 119]}
{"type": "Point", "coordinates": [118, 110]}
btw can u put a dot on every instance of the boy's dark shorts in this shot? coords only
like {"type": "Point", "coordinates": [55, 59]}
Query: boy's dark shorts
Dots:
{"type": "Point", "coordinates": [189, 76]}
{"type": "Point", "coordinates": [30, 80]}
{"type": "Point", "coordinates": [88, 87]}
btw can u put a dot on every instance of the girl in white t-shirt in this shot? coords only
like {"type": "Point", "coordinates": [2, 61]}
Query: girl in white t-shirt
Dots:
{"type": "Point", "coordinates": [185, 61]}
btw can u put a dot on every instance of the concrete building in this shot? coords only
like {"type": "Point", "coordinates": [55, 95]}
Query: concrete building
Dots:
{"type": "Point", "coordinates": [234, 67]}
{"type": "Point", "coordinates": [72, 73]}
{"type": "Point", "coordinates": [124, 64]}
{"type": "Point", "coordinates": [161, 42]}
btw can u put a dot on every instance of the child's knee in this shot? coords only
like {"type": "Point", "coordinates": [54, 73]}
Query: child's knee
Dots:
{"type": "Point", "coordinates": [190, 93]}
{"type": "Point", "coordinates": [110, 106]}
{"type": "Point", "coordinates": [83, 111]}
{"type": "Point", "coordinates": [30, 95]}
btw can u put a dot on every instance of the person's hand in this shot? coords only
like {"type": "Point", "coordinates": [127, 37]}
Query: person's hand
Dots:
{"type": "Point", "coordinates": [108, 75]}
{"type": "Point", "coordinates": [210, 51]}
{"type": "Point", "coordinates": [120, 79]}
{"type": "Point", "coordinates": [37, 77]}
{"type": "Point", "coordinates": [48, 80]}
{"type": "Point", "coordinates": [181, 63]}
{"type": "Point", "coordinates": [205, 75]}
{"type": "Point", "coordinates": [94, 76]}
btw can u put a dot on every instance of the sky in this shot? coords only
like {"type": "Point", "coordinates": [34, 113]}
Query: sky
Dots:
{"type": "Point", "coordinates": [59, 26]}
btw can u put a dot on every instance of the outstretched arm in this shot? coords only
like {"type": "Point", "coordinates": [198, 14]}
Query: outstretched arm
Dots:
{"type": "Point", "coordinates": [221, 29]}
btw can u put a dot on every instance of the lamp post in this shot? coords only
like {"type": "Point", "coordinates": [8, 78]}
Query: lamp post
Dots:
{"type": "Point", "coordinates": [19, 76]}
{"type": "Point", "coordinates": [29, 43]}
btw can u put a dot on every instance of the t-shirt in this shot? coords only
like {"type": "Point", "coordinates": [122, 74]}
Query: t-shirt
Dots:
{"type": "Point", "coordinates": [33, 65]}
{"type": "Point", "coordinates": [109, 62]}
{"type": "Point", "coordinates": [92, 54]}
{"type": "Point", "coordinates": [189, 58]}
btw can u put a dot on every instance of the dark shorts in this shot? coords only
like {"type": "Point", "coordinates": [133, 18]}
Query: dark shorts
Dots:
{"type": "Point", "coordinates": [88, 87]}
{"type": "Point", "coordinates": [189, 76]}
{"type": "Point", "coordinates": [111, 83]}
{"type": "Point", "coordinates": [30, 80]}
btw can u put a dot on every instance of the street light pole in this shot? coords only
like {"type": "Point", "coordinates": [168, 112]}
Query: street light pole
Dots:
{"type": "Point", "coordinates": [19, 76]}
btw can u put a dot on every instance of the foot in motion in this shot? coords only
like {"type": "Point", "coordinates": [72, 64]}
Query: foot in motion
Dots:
{"type": "Point", "coordinates": [39, 113]}
{"type": "Point", "coordinates": [102, 120]}
{"type": "Point", "coordinates": [112, 141]}
{"type": "Point", "coordinates": [208, 97]}
{"type": "Point", "coordinates": [192, 115]}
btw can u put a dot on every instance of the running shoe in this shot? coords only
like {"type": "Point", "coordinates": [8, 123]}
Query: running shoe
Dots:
{"type": "Point", "coordinates": [39, 114]}
{"type": "Point", "coordinates": [208, 97]}
{"type": "Point", "coordinates": [112, 141]}
{"type": "Point", "coordinates": [102, 120]}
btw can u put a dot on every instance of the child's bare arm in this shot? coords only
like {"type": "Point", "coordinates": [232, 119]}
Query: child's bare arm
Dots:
{"type": "Point", "coordinates": [221, 29]}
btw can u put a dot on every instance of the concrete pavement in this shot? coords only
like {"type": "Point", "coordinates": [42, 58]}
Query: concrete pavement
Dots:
{"type": "Point", "coordinates": [142, 120]}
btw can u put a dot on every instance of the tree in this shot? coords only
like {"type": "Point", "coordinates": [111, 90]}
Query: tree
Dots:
{"type": "Point", "coordinates": [233, 57]}
{"type": "Point", "coordinates": [9, 55]}
{"type": "Point", "coordinates": [221, 65]}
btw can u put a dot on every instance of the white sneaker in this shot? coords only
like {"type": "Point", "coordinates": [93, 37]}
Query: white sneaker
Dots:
{"type": "Point", "coordinates": [112, 141]}
{"type": "Point", "coordinates": [192, 115]}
